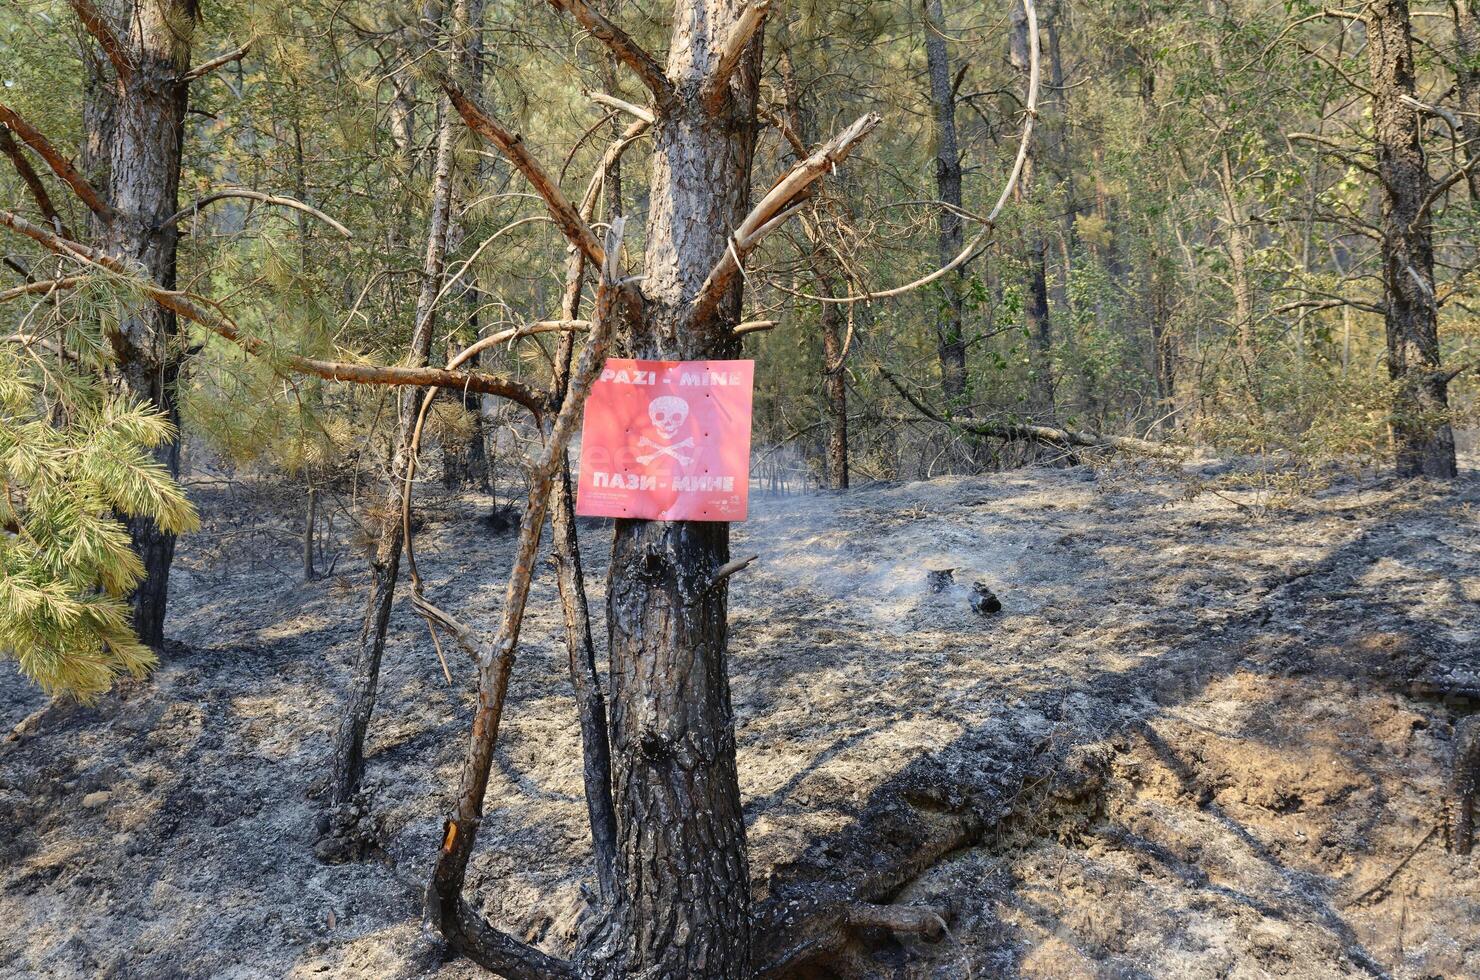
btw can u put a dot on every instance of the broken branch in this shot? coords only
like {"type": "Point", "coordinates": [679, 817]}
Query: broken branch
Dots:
{"type": "Point", "coordinates": [741, 34]}
{"type": "Point", "coordinates": [201, 71]}
{"type": "Point", "coordinates": [511, 145]}
{"type": "Point", "coordinates": [775, 208]}
{"type": "Point", "coordinates": [98, 26]}
{"type": "Point", "coordinates": [197, 311]}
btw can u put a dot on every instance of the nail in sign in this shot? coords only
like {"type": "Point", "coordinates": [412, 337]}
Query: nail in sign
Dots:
{"type": "Point", "coordinates": [667, 441]}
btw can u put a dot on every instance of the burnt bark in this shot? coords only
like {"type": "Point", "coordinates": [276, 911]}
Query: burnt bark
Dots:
{"type": "Point", "coordinates": [1423, 440]}
{"type": "Point", "coordinates": [683, 908]}
{"type": "Point", "coordinates": [950, 327]}
{"type": "Point", "coordinates": [144, 178]}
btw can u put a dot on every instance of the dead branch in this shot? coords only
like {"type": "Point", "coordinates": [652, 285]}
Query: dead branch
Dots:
{"type": "Point", "coordinates": [202, 70]}
{"type": "Point", "coordinates": [59, 164]}
{"type": "Point", "coordinates": [730, 568]}
{"type": "Point", "coordinates": [747, 24]}
{"type": "Point", "coordinates": [774, 208]}
{"type": "Point", "coordinates": [628, 51]}
{"type": "Point", "coordinates": [444, 903]}
{"type": "Point", "coordinates": [646, 115]}
{"type": "Point", "coordinates": [200, 312]}
{"type": "Point", "coordinates": [511, 145]}
{"type": "Point", "coordinates": [98, 26]}
{"type": "Point", "coordinates": [32, 181]}
{"type": "Point", "coordinates": [284, 202]}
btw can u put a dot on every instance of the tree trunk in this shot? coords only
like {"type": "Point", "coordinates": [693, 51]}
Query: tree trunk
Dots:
{"type": "Point", "coordinates": [1035, 252]}
{"type": "Point", "coordinates": [684, 901]}
{"type": "Point", "coordinates": [1467, 82]}
{"type": "Point", "coordinates": [950, 328]}
{"type": "Point", "coordinates": [1422, 437]}
{"type": "Point", "coordinates": [385, 562]}
{"type": "Point", "coordinates": [834, 378]}
{"type": "Point", "coordinates": [310, 519]}
{"type": "Point", "coordinates": [144, 180]}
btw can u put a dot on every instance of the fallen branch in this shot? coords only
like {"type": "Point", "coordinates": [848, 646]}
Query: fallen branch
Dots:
{"type": "Point", "coordinates": [285, 202]}
{"type": "Point", "coordinates": [1032, 431]}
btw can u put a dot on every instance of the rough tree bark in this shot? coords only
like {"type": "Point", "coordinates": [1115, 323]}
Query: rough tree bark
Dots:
{"type": "Point", "coordinates": [1423, 440]}
{"type": "Point", "coordinates": [151, 58]}
{"type": "Point", "coordinates": [385, 561]}
{"type": "Point", "coordinates": [1467, 82]}
{"type": "Point", "coordinates": [950, 329]}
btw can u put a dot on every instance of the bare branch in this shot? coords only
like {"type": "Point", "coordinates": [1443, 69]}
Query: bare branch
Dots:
{"type": "Point", "coordinates": [285, 202]}
{"type": "Point", "coordinates": [773, 210]}
{"type": "Point", "coordinates": [748, 23]}
{"type": "Point", "coordinates": [42, 286]}
{"type": "Point", "coordinates": [200, 312]}
{"type": "Point", "coordinates": [59, 164]}
{"type": "Point", "coordinates": [646, 115]}
{"type": "Point", "coordinates": [97, 25]}
{"type": "Point", "coordinates": [511, 145]}
{"type": "Point", "coordinates": [632, 54]}
{"type": "Point", "coordinates": [202, 70]}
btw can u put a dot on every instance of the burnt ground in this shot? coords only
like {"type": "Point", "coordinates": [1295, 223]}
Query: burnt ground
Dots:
{"type": "Point", "coordinates": [1198, 741]}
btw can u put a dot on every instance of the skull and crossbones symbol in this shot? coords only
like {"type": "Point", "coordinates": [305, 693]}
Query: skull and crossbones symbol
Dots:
{"type": "Point", "coordinates": [668, 414]}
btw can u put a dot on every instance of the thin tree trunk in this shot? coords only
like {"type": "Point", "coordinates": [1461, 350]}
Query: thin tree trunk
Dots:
{"type": "Point", "coordinates": [1422, 437]}
{"type": "Point", "coordinates": [834, 378]}
{"type": "Point", "coordinates": [385, 562]}
{"type": "Point", "coordinates": [144, 181]}
{"type": "Point", "coordinates": [950, 328]}
{"type": "Point", "coordinates": [1035, 286]}
{"type": "Point", "coordinates": [310, 519]}
{"type": "Point", "coordinates": [1467, 82]}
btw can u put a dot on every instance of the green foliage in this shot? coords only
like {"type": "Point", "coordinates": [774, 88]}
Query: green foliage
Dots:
{"type": "Point", "coordinates": [68, 470]}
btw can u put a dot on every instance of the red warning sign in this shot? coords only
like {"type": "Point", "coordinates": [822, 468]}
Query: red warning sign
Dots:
{"type": "Point", "coordinates": [667, 441]}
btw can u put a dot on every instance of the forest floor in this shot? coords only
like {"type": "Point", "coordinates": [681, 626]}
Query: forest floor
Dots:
{"type": "Point", "coordinates": [1213, 735]}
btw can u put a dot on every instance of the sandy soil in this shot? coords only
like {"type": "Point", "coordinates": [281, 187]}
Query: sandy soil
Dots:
{"type": "Point", "coordinates": [1203, 734]}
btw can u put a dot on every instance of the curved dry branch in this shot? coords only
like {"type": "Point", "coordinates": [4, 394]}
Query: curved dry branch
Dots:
{"type": "Point", "coordinates": [974, 247]}
{"type": "Point", "coordinates": [283, 202]}
{"type": "Point", "coordinates": [742, 32]}
{"type": "Point", "coordinates": [204, 69]}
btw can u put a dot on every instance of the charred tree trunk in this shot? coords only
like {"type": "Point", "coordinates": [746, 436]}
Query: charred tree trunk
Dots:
{"type": "Point", "coordinates": [950, 328]}
{"type": "Point", "coordinates": [1423, 440]}
{"type": "Point", "coordinates": [144, 181]}
{"type": "Point", "coordinates": [385, 561]}
{"type": "Point", "coordinates": [684, 901]}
